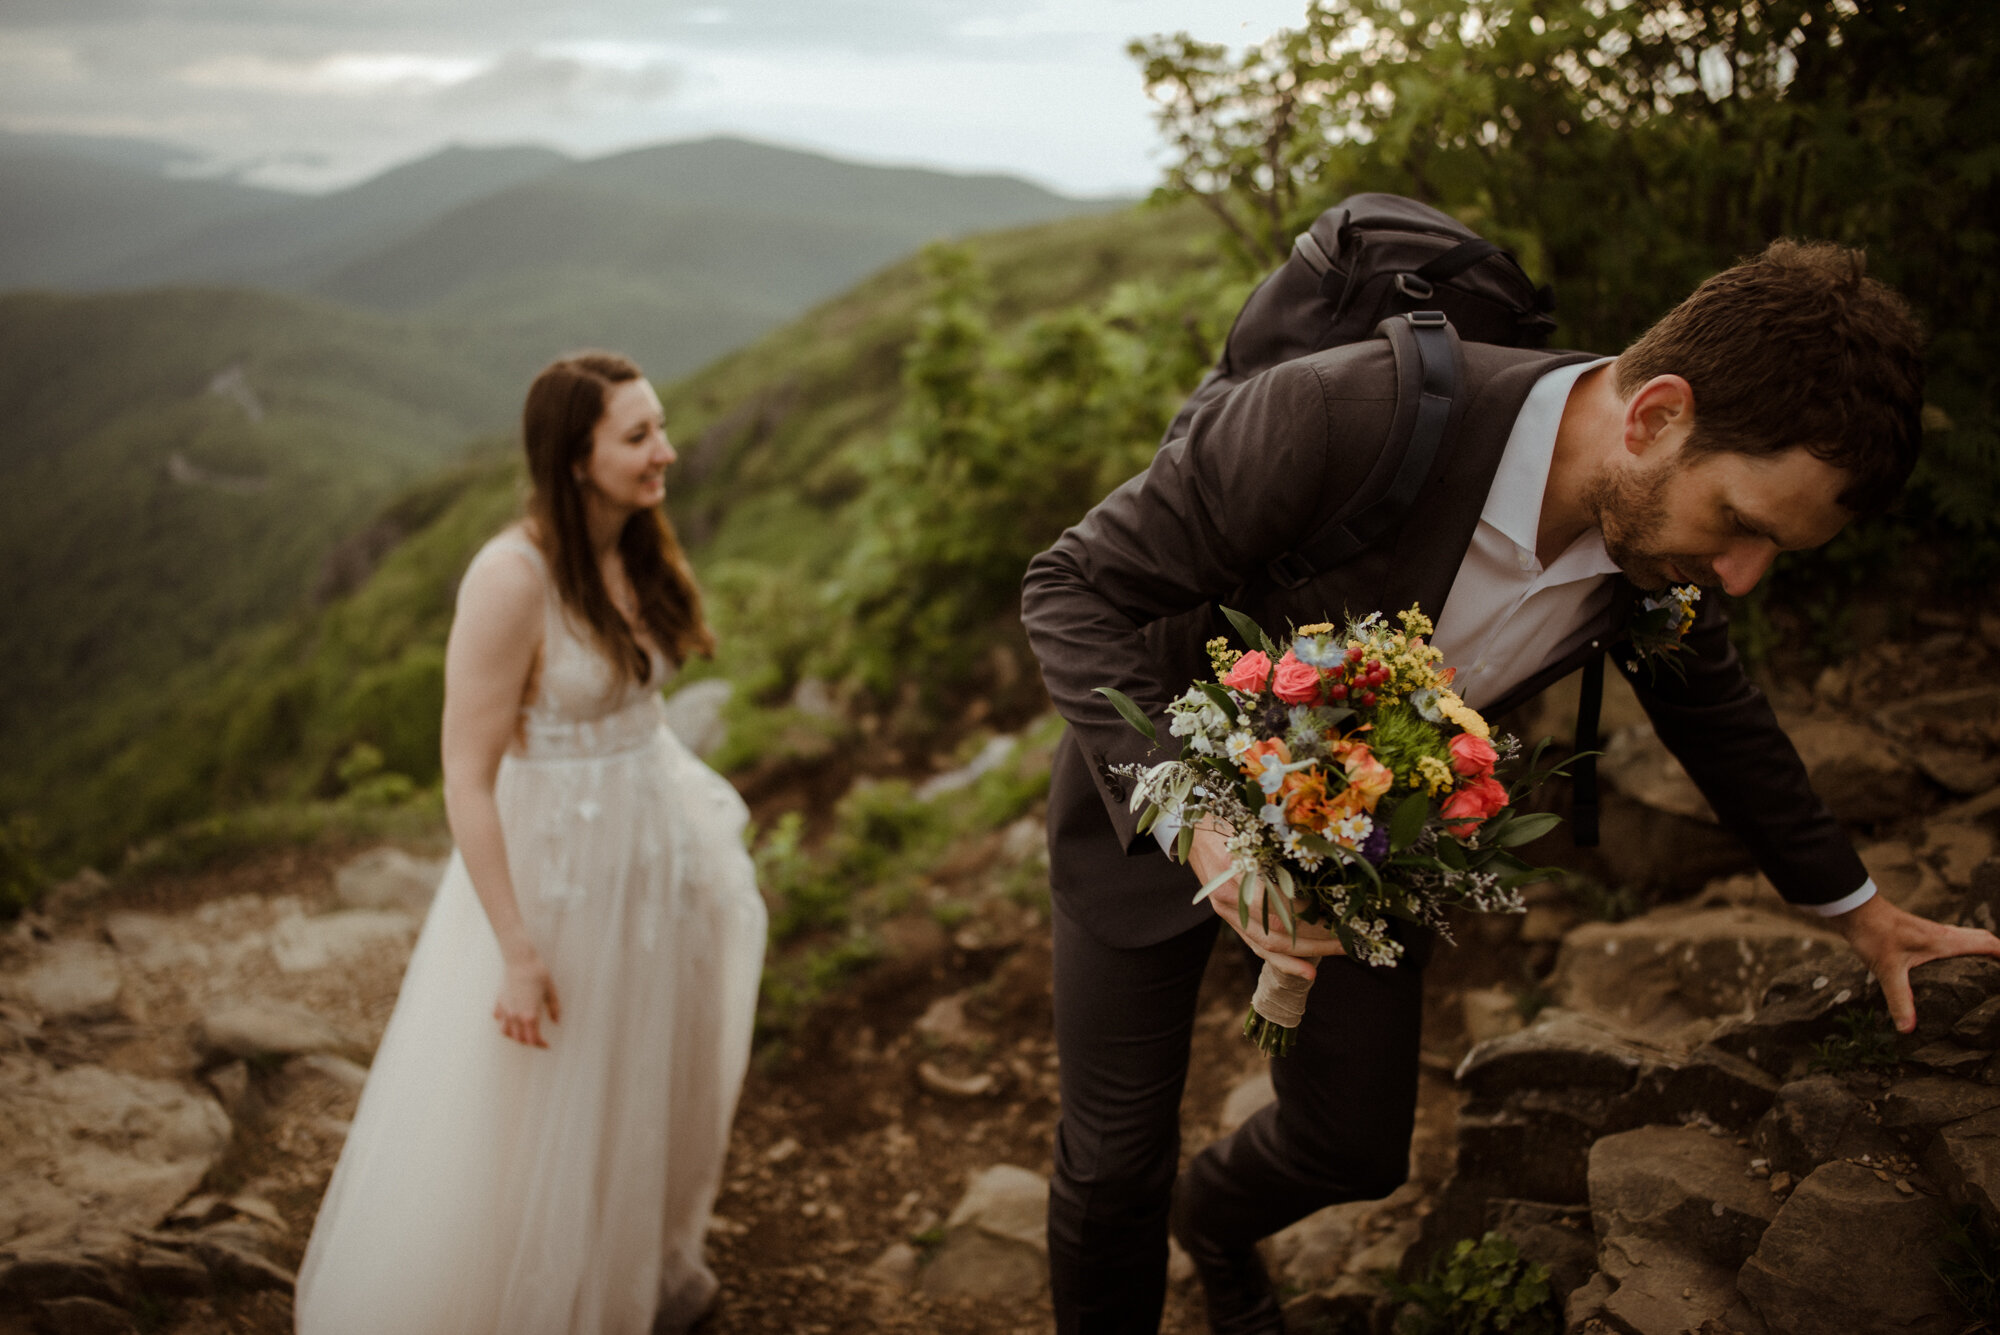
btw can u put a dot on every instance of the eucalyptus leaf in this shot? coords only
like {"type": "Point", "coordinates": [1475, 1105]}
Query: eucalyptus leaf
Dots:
{"type": "Point", "coordinates": [1130, 712]}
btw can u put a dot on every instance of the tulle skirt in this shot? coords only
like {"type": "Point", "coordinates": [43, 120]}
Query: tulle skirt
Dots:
{"type": "Point", "coordinates": [487, 1188]}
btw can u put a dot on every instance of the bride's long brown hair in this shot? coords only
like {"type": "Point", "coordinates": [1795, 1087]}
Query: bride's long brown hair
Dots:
{"type": "Point", "coordinates": [563, 408]}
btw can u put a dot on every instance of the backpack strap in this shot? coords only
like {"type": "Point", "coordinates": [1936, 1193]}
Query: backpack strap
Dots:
{"type": "Point", "coordinates": [1425, 348]}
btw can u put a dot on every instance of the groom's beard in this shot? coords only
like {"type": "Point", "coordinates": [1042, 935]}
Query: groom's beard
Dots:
{"type": "Point", "coordinates": [1631, 509]}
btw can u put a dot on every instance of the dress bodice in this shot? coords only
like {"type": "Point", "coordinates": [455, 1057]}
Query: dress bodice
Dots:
{"type": "Point", "coordinates": [582, 706]}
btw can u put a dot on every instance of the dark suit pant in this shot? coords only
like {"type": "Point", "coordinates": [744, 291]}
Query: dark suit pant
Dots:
{"type": "Point", "coordinates": [1339, 1131]}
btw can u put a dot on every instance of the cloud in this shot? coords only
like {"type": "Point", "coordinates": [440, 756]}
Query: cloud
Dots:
{"type": "Point", "coordinates": [561, 81]}
{"type": "Point", "coordinates": [345, 73]}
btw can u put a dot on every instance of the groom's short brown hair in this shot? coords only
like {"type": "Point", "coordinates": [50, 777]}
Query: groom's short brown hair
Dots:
{"type": "Point", "coordinates": [1797, 347]}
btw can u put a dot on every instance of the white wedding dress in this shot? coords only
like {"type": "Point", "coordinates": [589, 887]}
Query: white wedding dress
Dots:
{"type": "Point", "coordinates": [488, 1188]}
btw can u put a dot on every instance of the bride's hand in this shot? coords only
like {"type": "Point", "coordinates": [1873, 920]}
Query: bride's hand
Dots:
{"type": "Point", "coordinates": [525, 989]}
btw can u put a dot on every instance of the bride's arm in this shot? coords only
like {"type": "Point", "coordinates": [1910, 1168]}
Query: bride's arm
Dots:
{"type": "Point", "coordinates": [495, 635]}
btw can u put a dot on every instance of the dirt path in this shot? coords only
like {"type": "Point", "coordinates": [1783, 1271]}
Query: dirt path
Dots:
{"type": "Point", "coordinates": [840, 1150]}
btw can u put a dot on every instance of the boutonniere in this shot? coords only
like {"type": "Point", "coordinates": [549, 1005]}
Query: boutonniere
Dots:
{"type": "Point", "coordinates": [1659, 624]}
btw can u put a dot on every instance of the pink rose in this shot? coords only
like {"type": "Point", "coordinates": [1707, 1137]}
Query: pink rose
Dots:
{"type": "Point", "coordinates": [1472, 757]}
{"type": "Point", "coordinates": [1470, 805]}
{"type": "Point", "coordinates": [1250, 673]}
{"type": "Point", "coordinates": [1295, 683]}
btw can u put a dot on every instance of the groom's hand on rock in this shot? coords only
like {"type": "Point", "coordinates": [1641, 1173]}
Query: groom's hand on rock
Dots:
{"type": "Point", "coordinates": [1892, 942]}
{"type": "Point", "coordinates": [1208, 857]}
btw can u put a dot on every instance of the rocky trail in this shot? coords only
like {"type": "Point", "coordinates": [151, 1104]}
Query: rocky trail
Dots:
{"type": "Point", "coordinates": [1686, 1114]}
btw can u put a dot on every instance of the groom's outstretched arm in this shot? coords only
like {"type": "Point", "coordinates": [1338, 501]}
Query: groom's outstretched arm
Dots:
{"type": "Point", "coordinates": [1256, 474]}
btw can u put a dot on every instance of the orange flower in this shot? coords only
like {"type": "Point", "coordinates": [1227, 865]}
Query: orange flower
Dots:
{"type": "Point", "coordinates": [1365, 774]}
{"type": "Point", "coordinates": [1252, 762]}
{"type": "Point", "coordinates": [1304, 793]}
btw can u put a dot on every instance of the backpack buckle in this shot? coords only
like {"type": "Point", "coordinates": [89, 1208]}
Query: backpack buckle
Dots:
{"type": "Point", "coordinates": [1290, 571]}
{"type": "Point", "coordinates": [1413, 287]}
{"type": "Point", "coordinates": [1428, 319]}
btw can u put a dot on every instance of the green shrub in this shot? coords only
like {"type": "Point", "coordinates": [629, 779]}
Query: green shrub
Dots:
{"type": "Point", "coordinates": [1479, 1288]}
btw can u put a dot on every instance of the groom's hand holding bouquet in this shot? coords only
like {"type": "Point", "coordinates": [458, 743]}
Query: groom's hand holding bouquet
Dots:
{"type": "Point", "coordinates": [1323, 794]}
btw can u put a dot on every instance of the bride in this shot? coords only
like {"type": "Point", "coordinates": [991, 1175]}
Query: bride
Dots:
{"type": "Point", "coordinates": [543, 1129]}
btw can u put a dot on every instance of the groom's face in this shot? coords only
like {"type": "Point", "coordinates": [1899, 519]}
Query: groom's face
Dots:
{"type": "Point", "coordinates": [1716, 519]}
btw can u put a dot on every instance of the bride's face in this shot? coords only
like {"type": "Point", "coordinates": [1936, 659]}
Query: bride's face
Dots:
{"type": "Point", "coordinates": [629, 452]}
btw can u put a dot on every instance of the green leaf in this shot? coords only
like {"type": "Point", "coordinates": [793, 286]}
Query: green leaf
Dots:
{"type": "Point", "coordinates": [1183, 842]}
{"type": "Point", "coordinates": [1408, 822]}
{"type": "Point", "coordinates": [1221, 698]}
{"type": "Point", "coordinates": [1130, 712]}
{"type": "Point", "coordinates": [1527, 829]}
{"type": "Point", "coordinates": [1243, 895]}
{"type": "Point", "coordinates": [1215, 883]}
{"type": "Point", "coordinates": [1251, 633]}
{"type": "Point", "coordinates": [1148, 818]}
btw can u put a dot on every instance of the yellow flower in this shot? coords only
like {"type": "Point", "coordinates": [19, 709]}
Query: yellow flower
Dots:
{"type": "Point", "coordinates": [1435, 774]}
{"type": "Point", "coordinates": [1317, 628]}
{"type": "Point", "coordinates": [1220, 656]}
{"type": "Point", "coordinates": [1466, 717]}
{"type": "Point", "coordinates": [1415, 623]}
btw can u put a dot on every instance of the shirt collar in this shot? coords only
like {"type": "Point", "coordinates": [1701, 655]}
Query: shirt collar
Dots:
{"type": "Point", "coordinates": [1514, 503]}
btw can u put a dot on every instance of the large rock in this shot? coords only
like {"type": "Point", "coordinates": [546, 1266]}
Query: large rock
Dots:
{"type": "Point", "coordinates": [1681, 1186]}
{"type": "Point", "coordinates": [89, 1149]}
{"type": "Point", "coordinates": [1711, 1086]}
{"type": "Point", "coordinates": [1908, 881]}
{"type": "Point", "coordinates": [1956, 849]}
{"type": "Point", "coordinates": [1814, 1120]}
{"type": "Point", "coordinates": [1658, 972]}
{"type": "Point", "coordinates": [1656, 1288]}
{"type": "Point", "coordinates": [1925, 1103]}
{"type": "Point", "coordinates": [996, 1241]}
{"type": "Point", "coordinates": [1965, 1160]}
{"type": "Point", "coordinates": [1641, 767]}
{"type": "Point", "coordinates": [1562, 1049]}
{"type": "Point", "coordinates": [1860, 774]}
{"type": "Point", "coordinates": [71, 980]}
{"type": "Point", "coordinates": [265, 1029]}
{"type": "Point", "coordinates": [1948, 990]}
{"type": "Point", "coordinates": [1250, 1093]}
{"type": "Point", "coordinates": [389, 878]}
{"type": "Point", "coordinates": [301, 944]}
{"type": "Point", "coordinates": [85, 1316]}
{"type": "Point", "coordinates": [1850, 1252]}
{"type": "Point", "coordinates": [1800, 1008]}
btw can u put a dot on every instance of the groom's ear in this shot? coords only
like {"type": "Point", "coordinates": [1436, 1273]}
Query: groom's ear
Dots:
{"type": "Point", "coordinates": [1660, 415]}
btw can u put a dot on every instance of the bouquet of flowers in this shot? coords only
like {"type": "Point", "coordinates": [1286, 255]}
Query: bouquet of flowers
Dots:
{"type": "Point", "coordinates": [1351, 784]}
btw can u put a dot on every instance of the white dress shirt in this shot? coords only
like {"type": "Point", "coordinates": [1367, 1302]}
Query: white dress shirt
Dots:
{"type": "Point", "coordinates": [1508, 616]}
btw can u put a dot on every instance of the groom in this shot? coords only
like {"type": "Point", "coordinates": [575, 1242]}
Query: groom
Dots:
{"type": "Point", "coordinates": [1776, 403]}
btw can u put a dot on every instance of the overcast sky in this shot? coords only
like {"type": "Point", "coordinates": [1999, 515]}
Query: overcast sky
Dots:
{"type": "Point", "coordinates": [316, 93]}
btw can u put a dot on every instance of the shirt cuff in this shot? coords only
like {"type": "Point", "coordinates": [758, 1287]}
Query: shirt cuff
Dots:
{"type": "Point", "coordinates": [1845, 904]}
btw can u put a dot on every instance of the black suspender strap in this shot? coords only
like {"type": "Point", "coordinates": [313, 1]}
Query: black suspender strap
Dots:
{"type": "Point", "coordinates": [1583, 773]}
{"type": "Point", "coordinates": [1426, 383]}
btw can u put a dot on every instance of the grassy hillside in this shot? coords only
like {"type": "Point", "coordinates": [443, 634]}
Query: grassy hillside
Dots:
{"type": "Point", "coordinates": [775, 486]}
{"type": "Point", "coordinates": [176, 466]}
{"type": "Point", "coordinates": [304, 238]}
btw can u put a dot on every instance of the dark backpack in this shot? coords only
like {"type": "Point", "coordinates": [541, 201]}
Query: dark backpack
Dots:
{"type": "Point", "coordinates": [1378, 265]}
{"type": "Point", "coordinates": [1366, 259]}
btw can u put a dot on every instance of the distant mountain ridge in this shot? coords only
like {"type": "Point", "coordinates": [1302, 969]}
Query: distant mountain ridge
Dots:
{"type": "Point", "coordinates": [675, 253]}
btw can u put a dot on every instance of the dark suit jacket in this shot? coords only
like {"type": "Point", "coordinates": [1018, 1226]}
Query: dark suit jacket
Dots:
{"type": "Point", "coordinates": [1128, 598]}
